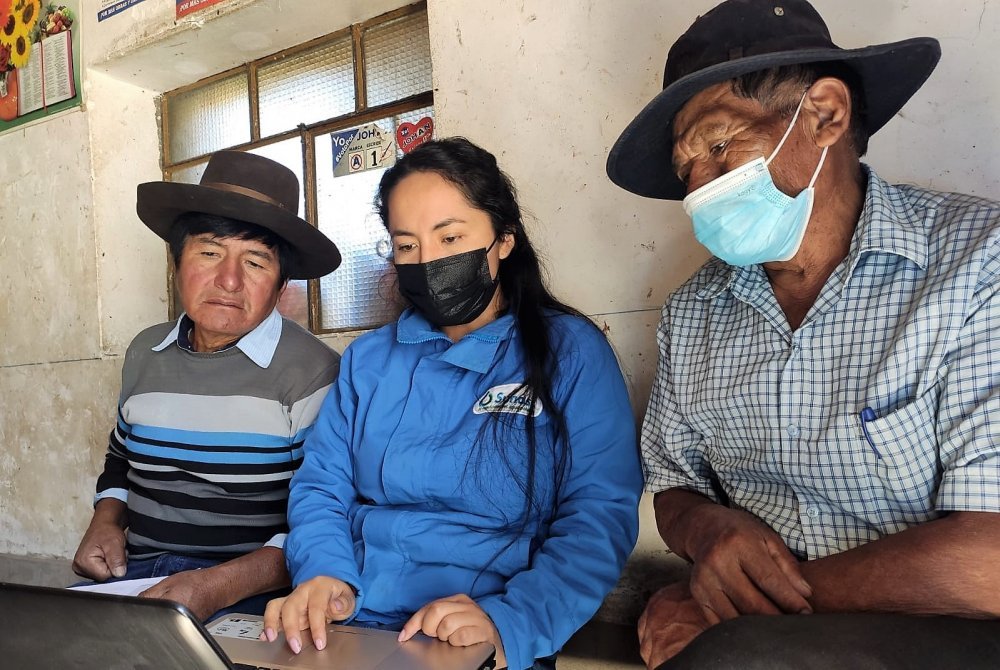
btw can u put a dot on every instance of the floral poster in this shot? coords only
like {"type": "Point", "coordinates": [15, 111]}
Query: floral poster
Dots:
{"type": "Point", "coordinates": [39, 59]}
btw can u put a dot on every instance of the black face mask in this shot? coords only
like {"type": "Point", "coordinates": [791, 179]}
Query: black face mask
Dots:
{"type": "Point", "coordinates": [449, 291]}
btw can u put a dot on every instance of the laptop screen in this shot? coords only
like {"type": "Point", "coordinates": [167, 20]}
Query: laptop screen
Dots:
{"type": "Point", "coordinates": [61, 628]}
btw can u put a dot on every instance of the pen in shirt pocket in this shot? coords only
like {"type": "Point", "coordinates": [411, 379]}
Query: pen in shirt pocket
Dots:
{"type": "Point", "coordinates": [867, 415]}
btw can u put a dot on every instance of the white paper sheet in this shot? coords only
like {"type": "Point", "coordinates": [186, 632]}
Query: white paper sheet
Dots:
{"type": "Point", "coordinates": [128, 587]}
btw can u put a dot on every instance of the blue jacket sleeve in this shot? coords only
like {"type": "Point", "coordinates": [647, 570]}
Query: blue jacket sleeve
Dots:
{"type": "Point", "coordinates": [596, 521]}
{"type": "Point", "coordinates": [322, 497]}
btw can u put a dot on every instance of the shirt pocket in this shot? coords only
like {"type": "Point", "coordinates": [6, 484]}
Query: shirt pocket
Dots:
{"type": "Point", "coordinates": [905, 454]}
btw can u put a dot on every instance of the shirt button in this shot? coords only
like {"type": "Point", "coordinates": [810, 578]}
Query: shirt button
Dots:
{"type": "Point", "coordinates": [812, 512]}
{"type": "Point", "coordinates": [793, 430]}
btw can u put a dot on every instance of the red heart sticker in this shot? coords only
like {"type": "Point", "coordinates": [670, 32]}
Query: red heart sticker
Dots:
{"type": "Point", "coordinates": [409, 136]}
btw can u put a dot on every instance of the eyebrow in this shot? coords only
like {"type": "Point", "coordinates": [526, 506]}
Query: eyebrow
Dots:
{"type": "Point", "coordinates": [206, 238]}
{"type": "Point", "coordinates": [437, 226]}
{"type": "Point", "coordinates": [266, 254]}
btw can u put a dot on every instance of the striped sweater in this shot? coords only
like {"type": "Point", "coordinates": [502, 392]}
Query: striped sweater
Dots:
{"type": "Point", "coordinates": [206, 442]}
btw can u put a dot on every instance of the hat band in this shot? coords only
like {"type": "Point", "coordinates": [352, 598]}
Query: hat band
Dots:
{"type": "Point", "coordinates": [242, 190]}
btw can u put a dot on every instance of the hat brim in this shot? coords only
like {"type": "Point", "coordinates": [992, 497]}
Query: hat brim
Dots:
{"type": "Point", "coordinates": [641, 159]}
{"type": "Point", "coordinates": [159, 204]}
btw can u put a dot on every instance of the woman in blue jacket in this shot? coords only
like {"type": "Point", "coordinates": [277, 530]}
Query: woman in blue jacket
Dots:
{"type": "Point", "coordinates": [473, 474]}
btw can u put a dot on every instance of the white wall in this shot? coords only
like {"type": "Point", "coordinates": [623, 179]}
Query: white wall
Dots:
{"type": "Point", "coordinates": [545, 84]}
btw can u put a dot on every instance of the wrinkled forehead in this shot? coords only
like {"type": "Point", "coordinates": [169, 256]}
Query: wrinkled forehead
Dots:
{"type": "Point", "coordinates": [709, 106]}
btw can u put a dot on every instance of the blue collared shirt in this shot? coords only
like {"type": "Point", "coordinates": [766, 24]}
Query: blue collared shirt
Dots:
{"type": "Point", "coordinates": [258, 345]}
{"type": "Point", "coordinates": [907, 326]}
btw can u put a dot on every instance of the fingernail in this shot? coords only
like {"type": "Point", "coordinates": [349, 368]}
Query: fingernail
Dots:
{"type": "Point", "coordinates": [262, 637]}
{"type": "Point", "coordinates": [118, 572]}
{"type": "Point", "coordinates": [805, 610]}
{"type": "Point", "coordinates": [295, 645]}
{"type": "Point", "coordinates": [399, 638]}
{"type": "Point", "coordinates": [320, 644]}
{"type": "Point", "coordinates": [805, 586]}
{"type": "Point", "coordinates": [339, 605]}
{"type": "Point", "coordinates": [269, 634]}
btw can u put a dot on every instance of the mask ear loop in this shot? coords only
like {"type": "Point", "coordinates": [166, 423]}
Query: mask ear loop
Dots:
{"type": "Point", "coordinates": [788, 131]}
{"type": "Point", "coordinates": [822, 158]}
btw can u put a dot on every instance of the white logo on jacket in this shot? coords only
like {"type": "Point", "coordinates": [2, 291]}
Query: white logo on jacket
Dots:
{"type": "Point", "coordinates": [509, 398]}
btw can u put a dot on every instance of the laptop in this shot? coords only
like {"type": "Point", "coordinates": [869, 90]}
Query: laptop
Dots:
{"type": "Point", "coordinates": [62, 628]}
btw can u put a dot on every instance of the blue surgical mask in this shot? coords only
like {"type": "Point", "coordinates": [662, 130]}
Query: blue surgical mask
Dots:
{"type": "Point", "coordinates": [744, 219]}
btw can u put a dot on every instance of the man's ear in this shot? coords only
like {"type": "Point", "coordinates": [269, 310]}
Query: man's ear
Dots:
{"type": "Point", "coordinates": [828, 107]}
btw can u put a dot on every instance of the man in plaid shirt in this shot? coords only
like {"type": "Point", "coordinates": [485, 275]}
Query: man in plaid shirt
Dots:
{"type": "Point", "coordinates": [822, 435]}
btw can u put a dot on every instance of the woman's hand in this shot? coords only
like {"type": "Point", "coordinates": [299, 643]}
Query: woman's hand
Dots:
{"type": "Point", "coordinates": [458, 620]}
{"type": "Point", "coordinates": [313, 604]}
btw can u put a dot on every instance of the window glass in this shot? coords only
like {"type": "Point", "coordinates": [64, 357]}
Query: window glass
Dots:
{"type": "Point", "coordinates": [208, 118]}
{"type": "Point", "coordinates": [360, 294]}
{"type": "Point", "coordinates": [306, 87]}
{"type": "Point", "coordinates": [397, 59]}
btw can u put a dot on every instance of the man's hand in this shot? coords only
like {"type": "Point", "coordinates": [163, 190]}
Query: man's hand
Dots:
{"type": "Point", "coordinates": [312, 605]}
{"type": "Point", "coordinates": [457, 620]}
{"type": "Point", "coordinates": [741, 566]}
{"type": "Point", "coordinates": [195, 589]}
{"type": "Point", "coordinates": [101, 554]}
{"type": "Point", "coordinates": [671, 620]}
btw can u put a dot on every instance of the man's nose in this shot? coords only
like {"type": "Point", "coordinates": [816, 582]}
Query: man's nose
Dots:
{"type": "Point", "coordinates": [230, 275]}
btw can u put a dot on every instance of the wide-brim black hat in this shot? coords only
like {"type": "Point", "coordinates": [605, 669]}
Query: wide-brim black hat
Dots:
{"type": "Point", "coordinates": [247, 188]}
{"type": "Point", "coordinates": [742, 36]}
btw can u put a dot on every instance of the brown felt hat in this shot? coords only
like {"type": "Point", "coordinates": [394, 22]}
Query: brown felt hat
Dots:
{"type": "Point", "coordinates": [738, 37]}
{"type": "Point", "coordinates": [249, 188]}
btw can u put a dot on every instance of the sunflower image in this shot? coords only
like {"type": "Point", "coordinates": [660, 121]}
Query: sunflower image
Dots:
{"type": "Point", "coordinates": [28, 12]}
{"type": "Point", "coordinates": [8, 22]}
{"type": "Point", "coordinates": [16, 32]}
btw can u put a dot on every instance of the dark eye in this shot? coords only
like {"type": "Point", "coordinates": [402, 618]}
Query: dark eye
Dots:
{"type": "Point", "coordinates": [718, 148]}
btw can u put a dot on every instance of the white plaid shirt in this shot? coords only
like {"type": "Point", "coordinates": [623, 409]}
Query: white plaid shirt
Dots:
{"type": "Point", "coordinates": [907, 325]}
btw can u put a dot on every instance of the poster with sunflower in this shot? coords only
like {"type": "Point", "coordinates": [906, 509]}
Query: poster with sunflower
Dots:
{"type": "Point", "coordinates": [39, 60]}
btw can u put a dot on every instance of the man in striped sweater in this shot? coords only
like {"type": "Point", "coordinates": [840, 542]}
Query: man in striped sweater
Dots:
{"type": "Point", "coordinates": [215, 406]}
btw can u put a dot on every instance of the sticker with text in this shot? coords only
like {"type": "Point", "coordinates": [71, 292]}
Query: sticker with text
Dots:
{"type": "Point", "coordinates": [409, 136]}
{"type": "Point", "coordinates": [239, 627]}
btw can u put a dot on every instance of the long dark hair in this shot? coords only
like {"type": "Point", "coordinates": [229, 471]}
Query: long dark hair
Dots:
{"type": "Point", "coordinates": [474, 171]}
